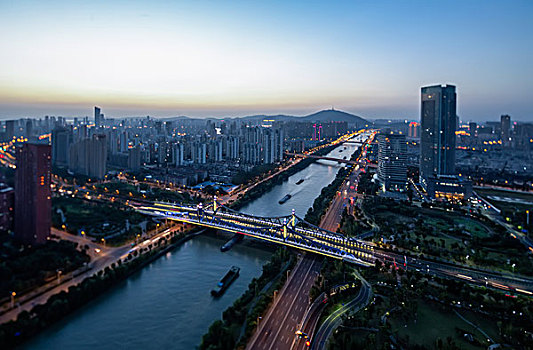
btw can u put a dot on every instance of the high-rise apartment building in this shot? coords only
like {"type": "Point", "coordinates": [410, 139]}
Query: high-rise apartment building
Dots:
{"type": "Point", "coordinates": [414, 130]}
{"type": "Point", "coordinates": [392, 162]}
{"type": "Point", "coordinates": [10, 129]}
{"type": "Point", "coordinates": [61, 141]}
{"type": "Point", "coordinates": [33, 202]}
{"type": "Point", "coordinates": [7, 201]}
{"type": "Point", "coordinates": [178, 154]}
{"type": "Point", "coordinates": [29, 128]}
{"type": "Point", "coordinates": [134, 159]}
{"type": "Point", "coordinates": [438, 124]}
{"type": "Point", "coordinates": [89, 157]}
{"type": "Point", "coordinates": [505, 125]}
{"type": "Point", "coordinates": [199, 152]}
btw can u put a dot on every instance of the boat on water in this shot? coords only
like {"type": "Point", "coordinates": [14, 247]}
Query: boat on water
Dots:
{"type": "Point", "coordinates": [224, 283]}
{"type": "Point", "coordinates": [340, 150]}
{"type": "Point", "coordinates": [284, 199]}
{"type": "Point", "coordinates": [229, 244]}
{"type": "Point", "coordinates": [300, 181]}
{"type": "Point", "coordinates": [344, 157]}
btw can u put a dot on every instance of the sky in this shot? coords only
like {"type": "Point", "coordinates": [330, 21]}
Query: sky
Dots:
{"type": "Point", "coordinates": [236, 58]}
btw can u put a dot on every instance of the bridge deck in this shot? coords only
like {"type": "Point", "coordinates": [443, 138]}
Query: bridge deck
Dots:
{"type": "Point", "coordinates": [289, 231]}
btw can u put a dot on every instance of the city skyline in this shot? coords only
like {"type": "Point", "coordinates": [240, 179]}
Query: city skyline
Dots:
{"type": "Point", "coordinates": [211, 60]}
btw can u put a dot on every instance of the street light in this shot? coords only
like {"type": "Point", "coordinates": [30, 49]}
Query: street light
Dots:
{"type": "Point", "coordinates": [513, 265]}
{"type": "Point", "coordinates": [59, 272]}
{"type": "Point", "coordinates": [13, 295]}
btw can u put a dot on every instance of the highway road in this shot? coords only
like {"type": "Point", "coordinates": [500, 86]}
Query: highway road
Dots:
{"type": "Point", "coordinates": [505, 282]}
{"type": "Point", "coordinates": [279, 325]}
{"type": "Point", "coordinates": [335, 319]}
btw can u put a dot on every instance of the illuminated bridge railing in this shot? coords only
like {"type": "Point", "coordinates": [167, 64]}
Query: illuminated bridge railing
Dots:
{"type": "Point", "coordinates": [286, 230]}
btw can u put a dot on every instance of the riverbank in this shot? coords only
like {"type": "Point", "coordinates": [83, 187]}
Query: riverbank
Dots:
{"type": "Point", "coordinates": [59, 305]}
{"type": "Point", "coordinates": [239, 320]}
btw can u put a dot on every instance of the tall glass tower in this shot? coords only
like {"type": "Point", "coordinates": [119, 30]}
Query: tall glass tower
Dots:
{"type": "Point", "coordinates": [438, 119]}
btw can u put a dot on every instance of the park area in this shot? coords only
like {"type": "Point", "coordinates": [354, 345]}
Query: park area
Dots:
{"type": "Point", "coordinates": [513, 205]}
{"type": "Point", "coordinates": [95, 219]}
{"type": "Point", "coordinates": [456, 236]}
{"type": "Point", "coordinates": [411, 310]}
{"type": "Point", "coordinates": [436, 324]}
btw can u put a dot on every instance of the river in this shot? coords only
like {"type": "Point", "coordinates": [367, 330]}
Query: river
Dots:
{"type": "Point", "coordinates": [167, 305]}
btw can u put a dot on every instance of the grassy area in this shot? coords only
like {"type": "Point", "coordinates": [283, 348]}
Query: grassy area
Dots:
{"type": "Point", "coordinates": [142, 191]}
{"type": "Point", "coordinates": [433, 321]}
{"type": "Point", "coordinates": [450, 235]}
{"type": "Point", "coordinates": [94, 218]}
{"type": "Point", "coordinates": [513, 206]}
{"type": "Point", "coordinates": [24, 269]}
{"type": "Point", "coordinates": [415, 311]}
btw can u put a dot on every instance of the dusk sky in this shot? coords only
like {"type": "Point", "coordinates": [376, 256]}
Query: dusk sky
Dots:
{"type": "Point", "coordinates": [221, 58]}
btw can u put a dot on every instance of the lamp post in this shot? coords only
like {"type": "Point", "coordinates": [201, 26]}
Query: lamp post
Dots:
{"type": "Point", "coordinates": [513, 265]}
{"type": "Point", "coordinates": [59, 272]}
{"type": "Point", "coordinates": [13, 295]}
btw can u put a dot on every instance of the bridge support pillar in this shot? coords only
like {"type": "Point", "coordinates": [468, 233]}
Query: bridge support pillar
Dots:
{"type": "Point", "coordinates": [214, 204]}
{"type": "Point", "coordinates": [200, 209]}
{"type": "Point", "coordinates": [293, 219]}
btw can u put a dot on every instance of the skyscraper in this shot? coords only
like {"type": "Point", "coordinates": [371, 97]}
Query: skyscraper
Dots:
{"type": "Point", "coordinates": [98, 117]}
{"type": "Point", "coordinates": [33, 203]}
{"type": "Point", "coordinates": [438, 123]}
{"type": "Point", "coordinates": [392, 162]}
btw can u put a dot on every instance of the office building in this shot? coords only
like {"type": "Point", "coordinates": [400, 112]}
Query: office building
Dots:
{"type": "Point", "coordinates": [98, 117]}
{"type": "Point", "coordinates": [33, 202]}
{"type": "Point", "coordinates": [449, 187]}
{"type": "Point", "coordinates": [437, 142]}
{"type": "Point", "coordinates": [392, 162]}
{"type": "Point", "coordinates": [437, 145]}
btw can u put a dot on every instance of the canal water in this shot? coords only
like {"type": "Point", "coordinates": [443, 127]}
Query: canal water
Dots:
{"type": "Point", "coordinates": [167, 305]}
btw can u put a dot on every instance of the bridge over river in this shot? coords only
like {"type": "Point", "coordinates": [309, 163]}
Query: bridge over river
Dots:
{"type": "Point", "coordinates": [290, 230]}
